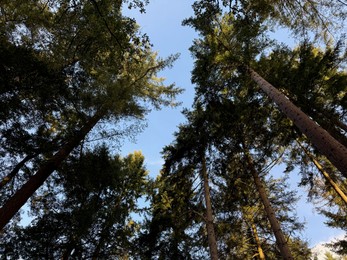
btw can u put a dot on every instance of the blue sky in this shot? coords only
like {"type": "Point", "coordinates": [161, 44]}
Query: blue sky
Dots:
{"type": "Point", "coordinates": [162, 23]}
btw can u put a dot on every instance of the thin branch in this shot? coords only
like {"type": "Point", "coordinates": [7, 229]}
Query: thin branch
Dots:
{"type": "Point", "coordinates": [341, 2]}
{"type": "Point", "coordinates": [16, 169]}
{"type": "Point", "coordinates": [106, 24]}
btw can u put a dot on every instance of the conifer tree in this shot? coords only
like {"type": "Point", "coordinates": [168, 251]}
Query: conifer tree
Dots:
{"type": "Point", "coordinates": [233, 40]}
{"type": "Point", "coordinates": [103, 67]}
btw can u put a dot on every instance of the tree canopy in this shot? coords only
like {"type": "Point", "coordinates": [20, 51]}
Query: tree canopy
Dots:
{"type": "Point", "coordinates": [78, 76]}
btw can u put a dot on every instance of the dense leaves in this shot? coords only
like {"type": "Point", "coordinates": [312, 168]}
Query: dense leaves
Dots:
{"type": "Point", "coordinates": [76, 71]}
{"type": "Point", "coordinates": [85, 63]}
{"type": "Point", "coordinates": [89, 213]}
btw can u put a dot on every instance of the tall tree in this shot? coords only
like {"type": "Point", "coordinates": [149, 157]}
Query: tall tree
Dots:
{"type": "Point", "coordinates": [107, 67]}
{"type": "Point", "coordinates": [251, 170]}
{"type": "Point", "coordinates": [219, 76]}
{"type": "Point", "coordinates": [191, 146]}
{"type": "Point", "coordinates": [223, 140]}
{"type": "Point", "coordinates": [314, 80]}
{"type": "Point", "coordinates": [209, 212]}
{"type": "Point", "coordinates": [233, 41]}
{"type": "Point", "coordinates": [239, 211]}
{"type": "Point", "coordinates": [280, 238]}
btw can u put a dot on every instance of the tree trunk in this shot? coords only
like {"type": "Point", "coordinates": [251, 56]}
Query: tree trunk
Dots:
{"type": "Point", "coordinates": [322, 117]}
{"type": "Point", "coordinates": [15, 170]}
{"type": "Point", "coordinates": [11, 207]}
{"type": "Point", "coordinates": [280, 239]}
{"type": "Point", "coordinates": [261, 255]}
{"type": "Point", "coordinates": [321, 139]}
{"type": "Point", "coordinates": [212, 242]}
{"type": "Point", "coordinates": [325, 174]}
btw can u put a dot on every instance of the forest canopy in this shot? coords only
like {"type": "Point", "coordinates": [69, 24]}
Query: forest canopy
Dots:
{"type": "Point", "coordinates": [78, 77]}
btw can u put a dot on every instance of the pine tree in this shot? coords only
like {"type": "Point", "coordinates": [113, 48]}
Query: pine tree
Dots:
{"type": "Point", "coordinates": [103, 68]}
{"type": "Point", "coordinates": [233, 42]}
{"type": "Point", "coordinates": [220, 72]}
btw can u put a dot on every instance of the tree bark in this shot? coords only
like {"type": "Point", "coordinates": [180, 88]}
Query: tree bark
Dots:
{"type": "Point", "coordinates": [212, 241]}
{"type": "Point", "coordinates": [320, 138]}
{"type": "Point", "coordinates": [11, 207]}
{"type": "Point", "coordinates": [325, 174]}
{"type": "Point", "coordinates": [280, 239]}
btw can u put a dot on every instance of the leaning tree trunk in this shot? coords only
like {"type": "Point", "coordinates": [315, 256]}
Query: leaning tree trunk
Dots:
{"type": "Point", "coordinates": [325, 174]}
{"type": "Point", "coordinates": [212, 241]}
{"type": "Point", "coordinates": [276, 228]}
{"type": "Point", "coordinates": [320, 138]}
{"type": "Point", "coordinates": [11, 207]}
{"type": "Point", "coordinates": [9, 177]}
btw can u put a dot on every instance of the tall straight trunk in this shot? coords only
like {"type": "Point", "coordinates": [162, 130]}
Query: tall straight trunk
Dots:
{"type": "Point", "coordinates": [333, 125]}
{"type": "Point", "coordinates": [11, 207]}
{"type": "Point", "coordinates": [325, 174]}
{"type": "Point", "coordinates": [276, 228]}
{"type": "Point", "coordinates": [320, 138]}
{"type": "Point", "coordinates": [261, 254]}
{"type": "Point", "coordinates": [212, 241]}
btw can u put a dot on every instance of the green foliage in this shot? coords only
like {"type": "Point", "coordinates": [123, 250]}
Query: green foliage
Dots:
{"type": "Point", "coordinates": [322, 17]}
{"type": "Point", "coordinates": [312, 78]}
{"type": "Point", "coordinates": [216, 125]}
{"type": "Point", "coordinates": [94, 196]}
{"type": "Point", "coordinates": [329, 256]}
{"type": "Point", "coordinates": [173, 211]}
{"type": "Point", "coordinates": [93, 57]}
{"type": "Point", "coordinates": [339, 246]}
{"type": "Point", "coordinates": [235, 117]}
{"type": "Point", "coordinates": [314, 81]}
{"type": "Point", "coordinates": [62, 63]}
{"type": "Point", "coordinates": [176, 206]}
